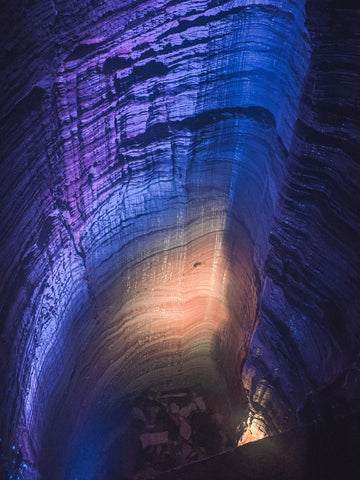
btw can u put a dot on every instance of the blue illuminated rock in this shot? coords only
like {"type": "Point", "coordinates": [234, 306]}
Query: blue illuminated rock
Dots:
{"type": "Point", "coordinates": [179, 204]}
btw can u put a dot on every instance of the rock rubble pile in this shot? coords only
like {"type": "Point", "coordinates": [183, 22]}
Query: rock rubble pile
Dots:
{"type": "Point", "coordinates": [175, 428]}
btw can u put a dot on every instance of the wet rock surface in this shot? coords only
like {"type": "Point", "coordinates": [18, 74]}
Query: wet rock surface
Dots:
{"type": "Point", "coordinates": [309, 332]}
{"type": "Point", "coordinates": [179, 203]}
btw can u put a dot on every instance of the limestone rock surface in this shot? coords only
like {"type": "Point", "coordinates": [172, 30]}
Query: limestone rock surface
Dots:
{"type": "Point", "coordinates": [179, 205]}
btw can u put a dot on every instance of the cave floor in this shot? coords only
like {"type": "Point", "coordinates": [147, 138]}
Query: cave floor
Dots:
{"type": "Point", "coordinates": [312, 452]}
{"type": "Point", "coordinates": [165, 430]}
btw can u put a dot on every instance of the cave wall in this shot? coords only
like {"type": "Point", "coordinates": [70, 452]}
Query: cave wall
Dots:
{"type": "Point", "coordinates": [148, 151]}
{"type": "Point", "coordinates": [310, 305]}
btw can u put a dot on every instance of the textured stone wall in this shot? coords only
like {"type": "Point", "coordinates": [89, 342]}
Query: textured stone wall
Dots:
{"type": "Point", "coordinates": [309, 333]}
{"type": "Point", "coordinates": [144, 148]}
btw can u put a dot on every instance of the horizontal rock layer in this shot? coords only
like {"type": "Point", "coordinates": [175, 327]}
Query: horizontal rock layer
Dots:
{"type": "Point", "coordinates": [144, 148]}
{"type": "Point", "coordinates": [309, 333]}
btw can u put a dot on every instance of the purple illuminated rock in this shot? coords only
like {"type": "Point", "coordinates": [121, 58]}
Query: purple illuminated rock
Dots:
{"type": "Point", "coordinates": [165, 165]}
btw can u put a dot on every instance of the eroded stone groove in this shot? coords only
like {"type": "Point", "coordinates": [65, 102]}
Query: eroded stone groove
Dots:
{"type": "Point", "coordinates": [144, 148]}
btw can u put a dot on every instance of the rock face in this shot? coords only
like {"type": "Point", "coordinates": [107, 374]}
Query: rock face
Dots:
{"type": "Point", "coordinates": [178, 205]}
{"type": "Point", "coordinates": [310, 305]}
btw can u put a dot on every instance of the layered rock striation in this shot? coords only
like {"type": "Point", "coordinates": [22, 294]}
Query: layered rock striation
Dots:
{"type": "Point", "coordinates": [144, 149]}
{"type": "Point", "coordinates": [308, 337]}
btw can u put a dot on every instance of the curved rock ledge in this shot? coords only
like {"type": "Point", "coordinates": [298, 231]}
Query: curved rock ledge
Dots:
{"type": "Point", "coordinates": [175, 177]}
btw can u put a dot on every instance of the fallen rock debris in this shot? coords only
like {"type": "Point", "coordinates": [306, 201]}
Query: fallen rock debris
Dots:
{"type": "Point", "coordinates": [176, 428]}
